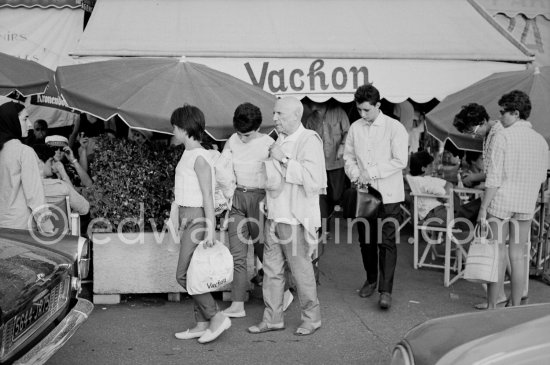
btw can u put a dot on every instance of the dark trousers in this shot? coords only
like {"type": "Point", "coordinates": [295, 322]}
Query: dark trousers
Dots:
{"type": "Point", "coordinates": [245, 219]}
{"type": "Point", "coordinates": [379, 248]}
{"type": "Point", "coordinates": [337, 183]}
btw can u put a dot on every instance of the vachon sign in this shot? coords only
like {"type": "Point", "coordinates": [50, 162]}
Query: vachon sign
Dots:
{"type": "Point", "coordinates": [295, 76]}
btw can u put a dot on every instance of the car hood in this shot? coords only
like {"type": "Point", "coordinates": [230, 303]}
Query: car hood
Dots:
{"type": "Point", "coordinates": [524, 343]}
{"type": "Point", "coordinates": [23, 264]}
{"type": "Point", "coordinates": [433, 339]}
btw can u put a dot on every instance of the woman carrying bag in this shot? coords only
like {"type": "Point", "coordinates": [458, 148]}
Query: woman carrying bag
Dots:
{"type": "Point", "coordinates": [194, 195]}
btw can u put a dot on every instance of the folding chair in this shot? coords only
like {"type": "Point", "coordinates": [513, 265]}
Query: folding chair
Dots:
{"type": "Point", "coordinates": [445, 233]}
{"type": "Point", "coordinates": [64, 220]}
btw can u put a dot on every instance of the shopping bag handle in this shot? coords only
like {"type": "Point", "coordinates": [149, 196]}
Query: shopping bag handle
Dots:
{"type": "Point", "coordinates": [362, 187]}
{"type": "Point", "coordinates": [216, 242]}
{"type": "Point", "coordinates": [477, 232]}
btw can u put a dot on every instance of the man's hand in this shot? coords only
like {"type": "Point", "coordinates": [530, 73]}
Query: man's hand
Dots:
{"type": "Point", "coordinates": [364, 178]}
{"type": "Point", "coordinates": [313, 250]}
{"type": "Point", "coordinates": [340, 152]}
{"type": "Point", "coordinates": [482, 218]}
{"type": "Point", "coordinates": [263, 206]}
{"type": "Point", "coordinates": [276, 152]}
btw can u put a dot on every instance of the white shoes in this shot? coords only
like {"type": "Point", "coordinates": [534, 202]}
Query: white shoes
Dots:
{"type": "Point", "coordinates": [235, 314]}
{"type": "Point", "coordinates": [210, 336]}
{"type": "Point", "coordinates": [287, 299]}
{"type": "Point", "coordinates": [186, 335]}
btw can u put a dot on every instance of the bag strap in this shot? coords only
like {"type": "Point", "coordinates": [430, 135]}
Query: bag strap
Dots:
{"type": "Point", "coordinates": [477, 232]}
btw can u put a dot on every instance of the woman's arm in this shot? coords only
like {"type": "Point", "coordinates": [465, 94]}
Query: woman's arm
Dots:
{"type": "Point", "coordinates": [204, 175]}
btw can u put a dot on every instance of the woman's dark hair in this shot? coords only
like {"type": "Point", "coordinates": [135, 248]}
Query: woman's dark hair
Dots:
{"type": "Point", "coordinates": [367, 93]}
{"type": "Point", "coordinates": [516, 100]}
{"type": "Point", "coordinates": [469, 116]}
{"type": "Point", "coordinates": [191, 120]}
{"type": "Point", "coordinates": [10, 127]}
{"type": "Point", "coordinates": [43, 151]}
{"type": "Point", "coordinates": [247, 118]}
{"type": "Point", "coordinates": [418, 161]}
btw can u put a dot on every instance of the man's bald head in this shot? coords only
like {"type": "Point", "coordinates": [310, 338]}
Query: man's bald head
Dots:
{"type": "Point", "coordinates": [287, 114]}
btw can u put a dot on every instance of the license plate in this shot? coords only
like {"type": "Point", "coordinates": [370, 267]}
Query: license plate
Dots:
{"type": "Point", "coordinates": [25, 320]}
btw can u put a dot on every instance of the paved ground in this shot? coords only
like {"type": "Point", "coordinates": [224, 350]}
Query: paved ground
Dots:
{"type": "Point", "coordinates": [355, 330]}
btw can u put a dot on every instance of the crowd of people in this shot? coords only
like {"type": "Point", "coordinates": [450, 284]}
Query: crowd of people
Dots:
{"type": "Point", "coordinates": [295, 183]}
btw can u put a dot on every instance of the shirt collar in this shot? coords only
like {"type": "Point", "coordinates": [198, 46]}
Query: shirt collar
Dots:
{"type": "Point", "coordinates": [379, 121]}
{"type": "Point", "coordinates": [294, 136]}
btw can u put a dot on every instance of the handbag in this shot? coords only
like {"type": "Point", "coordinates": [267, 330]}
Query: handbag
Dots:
{"type": "Point", "coordinates": [362, 202]}
{"type": "Point", "coordinates": [210, 269]}
{"type": "Point", "coordinates": [482, 262]}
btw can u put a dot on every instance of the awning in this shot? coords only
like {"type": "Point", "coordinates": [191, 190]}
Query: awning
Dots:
{"type": "Point", "coordinates": [528, 21]}
{"type": "Point", "coordinates": [421, 49]}
{"type": "Point", "coordinates": [75, 4]}
{"type": "Point", "coordinates": [45, 35]}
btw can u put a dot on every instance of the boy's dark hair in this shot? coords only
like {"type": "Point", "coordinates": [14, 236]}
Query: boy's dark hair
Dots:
{"type": "Point", "coordinates": [516, 100]}
{"type": "Point", "coordinates": [191, 120]}
{"type": "Point", "coordinates": [43, 151]}
{"type": "Point", "coordinates": [418, 161]}
{"type": "Point", "coordinates": [367, 93]}
{"type": "Point", "coordinates": [247, 118]}
{"type": "Point", "coordinates": [469, 116]}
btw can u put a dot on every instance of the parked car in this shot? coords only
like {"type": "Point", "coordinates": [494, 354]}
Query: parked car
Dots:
{"type": "Point", "coordinates": [39, 286]}
{"type": "Point", "coordinates": [516, 335]}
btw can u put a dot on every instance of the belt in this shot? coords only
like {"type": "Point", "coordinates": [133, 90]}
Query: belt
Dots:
{"type": "Point", "coordinates": [245, 189]}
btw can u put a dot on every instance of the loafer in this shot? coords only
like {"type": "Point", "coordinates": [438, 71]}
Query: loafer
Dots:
{"type": "Point", "coordinates": [187, 335]}
{"type": "Point", "coordinates": [210, 336]}
{"type": "Point", "coordinates": [240, 314]}
{"type": "Point", "coordinates": [367, 290]}
{"type": "Point", "coordinates": [385, 300]}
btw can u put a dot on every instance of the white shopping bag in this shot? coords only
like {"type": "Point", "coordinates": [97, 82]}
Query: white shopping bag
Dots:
{"type": "Point", "coordinates": [210, 269]}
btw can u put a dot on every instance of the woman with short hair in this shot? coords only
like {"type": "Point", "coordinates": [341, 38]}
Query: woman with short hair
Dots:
{"type": "Point", "coordinates": [194, 195]}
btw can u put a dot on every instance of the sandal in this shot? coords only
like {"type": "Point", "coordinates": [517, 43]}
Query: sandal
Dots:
{"type": "Point", "coordinates": [484, 305]}
{"type": "Point", "coordinates": [307, 329]}
{"type": "Point", "coordinates": [265, 327]}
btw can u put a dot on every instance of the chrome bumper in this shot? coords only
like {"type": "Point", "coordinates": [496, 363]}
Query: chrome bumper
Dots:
{"type": "Point", "coordinates": [49, 345]}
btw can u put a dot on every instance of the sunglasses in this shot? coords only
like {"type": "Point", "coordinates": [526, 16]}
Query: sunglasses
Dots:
{"type": "Point", "coordinates": [504, 111]}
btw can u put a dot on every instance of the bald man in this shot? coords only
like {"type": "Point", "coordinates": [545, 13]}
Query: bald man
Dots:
{"type": "Point", "coordinates": [295, 179]}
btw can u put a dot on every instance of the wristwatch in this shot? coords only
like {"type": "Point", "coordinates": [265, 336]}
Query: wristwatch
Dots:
{"type": "Point", "coordinates": [285, 160]}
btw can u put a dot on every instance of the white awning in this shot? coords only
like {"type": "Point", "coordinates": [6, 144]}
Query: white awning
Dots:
{"type": "Point", "coordinates": [421, 49]}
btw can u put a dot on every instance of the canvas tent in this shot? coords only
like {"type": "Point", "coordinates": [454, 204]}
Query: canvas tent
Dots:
{"type": "Point", "coordinates": [418, 49]}
{"type": "Point", "coordinates": [45, 32]}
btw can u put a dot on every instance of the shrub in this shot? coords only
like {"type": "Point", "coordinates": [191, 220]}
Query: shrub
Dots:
{"type": "Point", "coordinates": [127, 175]}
